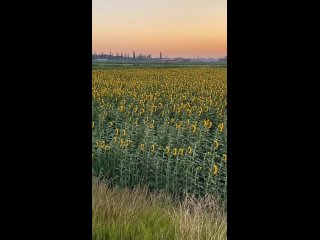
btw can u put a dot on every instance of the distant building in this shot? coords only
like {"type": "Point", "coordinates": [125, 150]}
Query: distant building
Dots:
{"type": "Point", "coordinates": [180, 59]}
{"type": "Point", "coordinates": [224, 59]}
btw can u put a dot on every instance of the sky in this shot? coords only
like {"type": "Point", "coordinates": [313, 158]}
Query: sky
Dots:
{"type": "Point", "coordinates": [177, 28]}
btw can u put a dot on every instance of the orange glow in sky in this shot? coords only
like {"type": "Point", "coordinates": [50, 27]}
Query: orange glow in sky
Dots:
{"type": "Point", "coordinates": [177, 28]}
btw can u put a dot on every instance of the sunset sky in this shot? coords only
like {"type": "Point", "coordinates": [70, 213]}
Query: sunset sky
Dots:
{"type": "Point", "coordinates": [177, 28]}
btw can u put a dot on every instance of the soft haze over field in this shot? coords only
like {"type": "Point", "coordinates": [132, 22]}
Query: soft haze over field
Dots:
{"type": "Point", "coordinates": [178, 28]}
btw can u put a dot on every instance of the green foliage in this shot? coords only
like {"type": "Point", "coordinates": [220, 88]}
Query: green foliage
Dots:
{"type": "Point", "coordinates": [163, 128]}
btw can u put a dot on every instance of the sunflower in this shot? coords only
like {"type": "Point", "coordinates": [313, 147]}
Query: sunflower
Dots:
{"type": "Point", "coordinates": [215, 169]}
{"type": "Point", "coordinates": [216, 144]}
{"type": "Point", "coordinates": [224, 157]}
{"type": "Point", "coordinates": [167, 150]}
{"type": "Point", "coordinates": [141, 146]}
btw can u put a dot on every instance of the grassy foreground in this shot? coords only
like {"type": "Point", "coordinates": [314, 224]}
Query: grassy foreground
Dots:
{"type": "Point", "coordinates": [137, 214]}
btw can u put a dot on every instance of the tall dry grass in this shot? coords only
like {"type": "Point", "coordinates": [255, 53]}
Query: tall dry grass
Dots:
{"type": "Point", "coordinates": [138, 214]}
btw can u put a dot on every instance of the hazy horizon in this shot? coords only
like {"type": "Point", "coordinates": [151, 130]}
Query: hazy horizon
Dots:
{"type": "Point", "coordinates": [177, 28]}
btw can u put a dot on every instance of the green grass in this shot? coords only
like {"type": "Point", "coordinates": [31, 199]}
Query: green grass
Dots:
{"type": "Point", "coordinates": [137, 214]}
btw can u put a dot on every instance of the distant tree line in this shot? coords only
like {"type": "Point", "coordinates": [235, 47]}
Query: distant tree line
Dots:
{"type": "Point", "coordinates": [122, 56]}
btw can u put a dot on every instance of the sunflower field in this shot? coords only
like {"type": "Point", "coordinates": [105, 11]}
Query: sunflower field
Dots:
{"type": "Point", "coordinates": [165, 128]}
